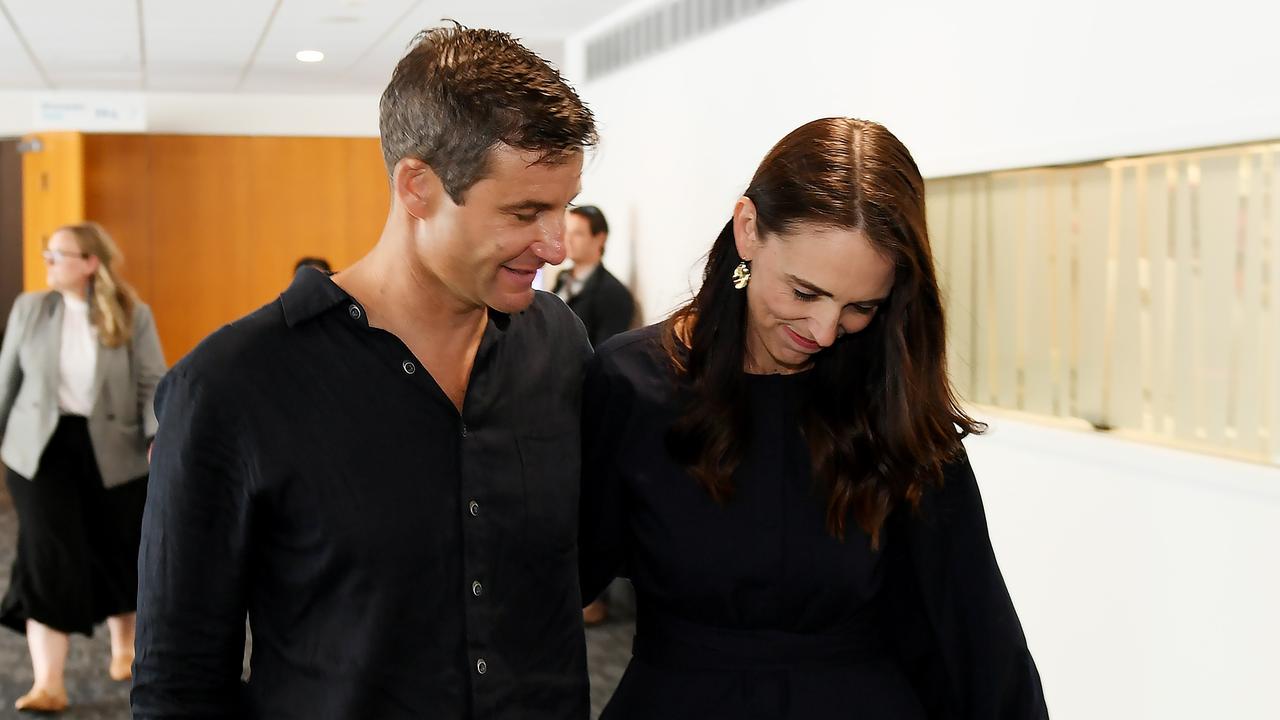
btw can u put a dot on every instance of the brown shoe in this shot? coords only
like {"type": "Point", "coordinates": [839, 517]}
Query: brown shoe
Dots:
{"type": "Point", "coordinates": [121, 668]}
{"type": "Point", "coordinates": [41, 700]}
{"type": "Point", "coordinates": [595, 613]}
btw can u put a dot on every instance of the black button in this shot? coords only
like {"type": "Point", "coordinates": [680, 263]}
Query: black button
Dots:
{"type": "Point", "coordinates": [409, 367]}
{"type": "Point", "coordinates": [482, 667]}
{"type": "Point", "coordinates": [475, 508]}
{"type": "Point", "coordinates": [354, 311]}
{"type": "Point", "coordinates": [477, 589]}
{"type": "Point", "coordinates": [464, 430]}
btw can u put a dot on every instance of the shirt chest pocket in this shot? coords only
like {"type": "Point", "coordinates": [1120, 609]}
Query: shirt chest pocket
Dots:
{"type": "Point", "coordinates": [550, 469]}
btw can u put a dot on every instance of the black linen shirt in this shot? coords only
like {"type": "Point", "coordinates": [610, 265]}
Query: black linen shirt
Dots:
{"type": "Point", "coordinates": [396, 558]}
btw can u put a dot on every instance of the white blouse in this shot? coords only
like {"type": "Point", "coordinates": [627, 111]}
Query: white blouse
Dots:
{"type": "Point", "coordinates": [78, 359]}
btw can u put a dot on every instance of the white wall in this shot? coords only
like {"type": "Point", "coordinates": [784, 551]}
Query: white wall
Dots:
{"type": "Point", "coordinates": [225, 114]}
{"type": "Point", "coordinates": [1147, 579]}
{"type": "Point", "coordinates": [967, 86]}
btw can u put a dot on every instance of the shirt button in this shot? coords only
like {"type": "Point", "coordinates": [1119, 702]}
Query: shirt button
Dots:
{"type": "Point", "coordinates": [354, 311]}
{"type": "Point", "coordinates": [477, 589]}
{"type": "Point", "coordinates": [482, 667]}
{"type": "Point", "coordinates": [409, 367]}
{"type": "Point", "coordinates": [464, 430]}
{"type": "Point", "coordinates": [474, 507]}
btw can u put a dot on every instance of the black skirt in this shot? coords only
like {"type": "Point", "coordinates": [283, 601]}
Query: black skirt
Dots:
{"type": "Point", "coordinates": [77, 553]}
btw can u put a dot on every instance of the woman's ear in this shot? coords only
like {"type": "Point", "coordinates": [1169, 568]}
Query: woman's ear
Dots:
{"type": "Point", "coordinates": [746, 231]}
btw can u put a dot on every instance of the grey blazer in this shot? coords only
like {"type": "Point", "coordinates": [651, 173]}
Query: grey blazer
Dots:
{"type": "Point", "coordinates": [125, 379]}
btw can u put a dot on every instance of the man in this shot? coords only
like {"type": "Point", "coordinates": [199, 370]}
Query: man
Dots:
{"type": "Point", "coordinates": [356, 465]}
{"type": "Point", "coordinates": [602, 302]}
{"type": "Point", "coordinates": [318, 263]}
{"type": "Point", "coordinates": [605, 307]}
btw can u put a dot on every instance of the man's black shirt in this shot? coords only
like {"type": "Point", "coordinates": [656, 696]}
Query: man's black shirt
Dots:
{"type": "Point", "coordinates": [396, 558]}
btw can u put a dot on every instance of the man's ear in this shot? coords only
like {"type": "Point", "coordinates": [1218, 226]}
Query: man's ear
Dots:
{"type": "Point", "coordinates": [416, 187]}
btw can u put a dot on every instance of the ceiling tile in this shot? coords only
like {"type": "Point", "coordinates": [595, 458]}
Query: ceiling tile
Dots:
{"type": "Point", "coordinates": [70, 37]}
{"type": "Point", "coordinates": [209, 46]}
{"type": "Point", "coordinates": [197, 42]}
{"type": "Point", "coordinates": [15, 64]}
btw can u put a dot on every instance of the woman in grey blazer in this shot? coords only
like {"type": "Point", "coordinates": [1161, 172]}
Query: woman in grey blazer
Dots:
{"type": "Point", "coordinates": [78, 373]}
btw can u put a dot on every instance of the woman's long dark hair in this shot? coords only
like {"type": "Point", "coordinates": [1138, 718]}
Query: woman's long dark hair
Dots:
{"type": "Point", "coordinates": [881, 418]}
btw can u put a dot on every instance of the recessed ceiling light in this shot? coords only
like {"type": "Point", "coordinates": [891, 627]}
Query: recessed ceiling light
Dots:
{"type": "Point", "coordinates": [309, 56]}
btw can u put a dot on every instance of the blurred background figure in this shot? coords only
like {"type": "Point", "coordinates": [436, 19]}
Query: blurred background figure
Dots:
{"type": "Point", "coordinates": [318, 263]}
{"type": "Point", "coordinates": [597, 297]}
{"type": "Point", "coordinates": [600, 300]}
{"type": "Point", "coordinates": [78, 372]}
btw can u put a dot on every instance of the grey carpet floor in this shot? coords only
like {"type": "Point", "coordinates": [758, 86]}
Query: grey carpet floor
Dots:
{"type": "Point", "coordinates": [95, 697]}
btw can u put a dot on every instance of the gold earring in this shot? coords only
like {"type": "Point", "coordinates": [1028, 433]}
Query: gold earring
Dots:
{"type": "Point", "coordinates": [741, 275]}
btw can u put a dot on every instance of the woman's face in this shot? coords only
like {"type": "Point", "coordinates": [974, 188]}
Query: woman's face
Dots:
{"type": "Point", "coordinates": [66, 267]}
{"type": "Point", "coordinates": [809, 286]}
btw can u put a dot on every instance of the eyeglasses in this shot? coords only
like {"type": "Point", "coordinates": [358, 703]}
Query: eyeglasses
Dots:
{"type": "Point", "coordinates": [52, 256]}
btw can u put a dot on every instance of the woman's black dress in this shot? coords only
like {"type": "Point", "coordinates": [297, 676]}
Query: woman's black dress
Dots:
{"type": "Point", "coordinates": [752, 609]}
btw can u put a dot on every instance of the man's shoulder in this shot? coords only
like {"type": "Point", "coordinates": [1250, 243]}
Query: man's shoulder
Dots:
{"type": "Point", "coordinates": [237, 347]}
{"type": "Point", "coordinates": [611, 282]}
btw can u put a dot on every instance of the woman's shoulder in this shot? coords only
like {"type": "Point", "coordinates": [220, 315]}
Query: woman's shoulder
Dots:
{"type": "Point", "coordinates": [28, 301]}
{"type": "Point", "coordinates": [631, 376]}
{"type": "Point", "coordinates": [639, 349]}
{"type": "Point", "coordinates": [635, 363]}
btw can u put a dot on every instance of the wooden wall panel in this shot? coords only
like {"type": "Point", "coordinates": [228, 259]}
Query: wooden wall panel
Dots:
{"type": "Point", "coordinates": [368, 197]}
{"type": "Point", "coordinates": [10, 227]}
{"type": "Point", "coordinates": [297, 192]}
{"type": "Point", "coordinates": [200, 227]}
{"type": "Point", "coordinates": [117, 192]}
{"type": "Point", "coordinates": [52, 195]}
{"type": "Point", "coordinates": [210, 226]}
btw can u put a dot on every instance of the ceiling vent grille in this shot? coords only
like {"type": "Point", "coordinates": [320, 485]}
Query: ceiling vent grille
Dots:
{"type": "Point", "coordinates": [662, 27]}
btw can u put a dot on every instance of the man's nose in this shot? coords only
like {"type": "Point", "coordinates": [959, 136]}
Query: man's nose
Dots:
{"type": "Point", "coordinates": [550, 245]}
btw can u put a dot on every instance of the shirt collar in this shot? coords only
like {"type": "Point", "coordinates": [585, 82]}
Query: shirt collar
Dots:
{"type": "Point", "coordinates": [587, 272]}
{"type": "Point", "coordinates": [313, 292]}
{"type": "Point", "coordinates": [310, 293]}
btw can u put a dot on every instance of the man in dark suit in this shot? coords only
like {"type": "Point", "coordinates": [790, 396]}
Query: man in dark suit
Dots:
{"type": "Point", "coordinates": [602, 302]}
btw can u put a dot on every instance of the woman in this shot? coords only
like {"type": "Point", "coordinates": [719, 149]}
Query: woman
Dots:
{"type": "Point", "coordinates": [78, 373]}
{"type": "Point", "coordinates": [779, 468]}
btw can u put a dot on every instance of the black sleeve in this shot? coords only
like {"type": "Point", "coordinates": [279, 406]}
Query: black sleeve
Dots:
{"type": "Point", "coordinates": [602, 530]}
{"type": "Point", "coordinates": [614, 313]}
{"type": "Point", "coordinates": [978, 665]}
{"type": "Point", "coordinates": [192, 560]}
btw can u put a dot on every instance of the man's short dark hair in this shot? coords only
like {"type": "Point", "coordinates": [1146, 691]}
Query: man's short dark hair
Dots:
{"type": "Point", "coordinates": [594, 216]}
{"type": "Point", "coordinates": [318, 263]}
{"type": "Point", "coordinates": [460, 92]}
